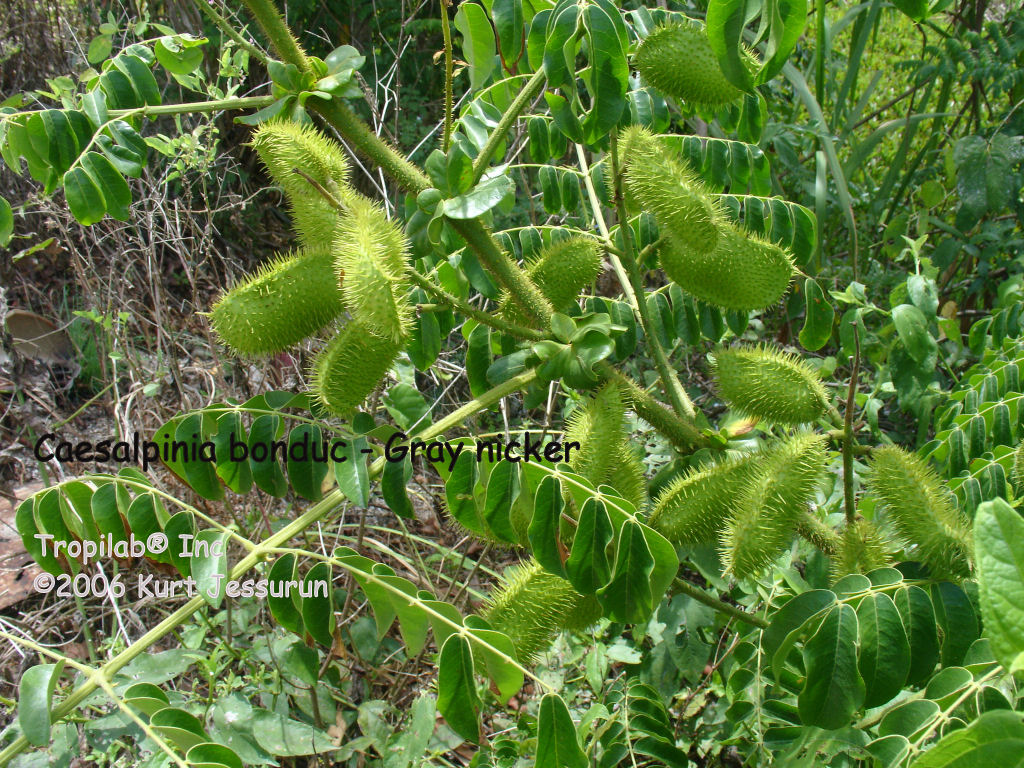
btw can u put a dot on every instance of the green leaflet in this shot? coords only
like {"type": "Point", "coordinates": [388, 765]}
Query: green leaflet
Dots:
{"type": "Point", "coordinates": [999, 549]}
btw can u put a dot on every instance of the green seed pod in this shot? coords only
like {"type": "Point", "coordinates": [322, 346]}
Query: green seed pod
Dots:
{"type": "Point", "coordinates": [560, 271]}
{"type": "Point", "coordinates": [597, 426]}
{"type": "Point", "coordinates": [290, 297]}
{"type": "Point", "coordinates": [663, 185]}
{"type": "Point", "coordinates": [371, 261]}
{"type": "Point", "coordinates": [284, 146]}
{"type": "Point", "coordinates": [766, 516]}
{"type": "Point", "coordinates": [565, 268]}
{"type": "Point", "coordinates": [627, 475]}
{"type": "Point", "coordinates": [862, 550]}
{"type": "Point", "coordinates": [769, 384]}
{"type": "Point", "coordinates": [351, 366]}
{"type": "Point", "coordinates": [676, 58]}
{"type": "Point", "coordinates": [921, 509]}
{"type": "Point", "coordinates": [695, 507]}
{"type": "Point", "coordinates": [532, 606]}
{"type": "Point", "coordinates": [744, 272]}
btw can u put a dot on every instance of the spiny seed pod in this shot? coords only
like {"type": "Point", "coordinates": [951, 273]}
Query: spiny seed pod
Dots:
{"type": "Point", "coordinates": [744, 272]}
{"type": "Point", "coordinates": [627, 475]}
{"type": "Point", "coordinates": [769, 384]}
{"type": "Point", "coordinates": [351, 366]}
{"type": "Point", "coordinates": [1017, 474]}
{"type": "Point", "coordinates": [663, 185]}
{"type": "Point", "coordinates": [284, 146]}
{"type": "Point", "coordinates": [597, 426]}
{"type": "Point", "coordinates": [560, 271]}
{"type": "Point", "coordinates": [694, 507]}
{"type": "Point", "coordinates": [563, 269]}
{"type": "Point", "coordinates": [921, 509]}
{"type": "Point", "coordinates": [862, 550]}
{"type": "Point", "coordinates": [288, 298]}
{"type": "Point", "coordinates": [370, 260]}
{"type": "Point", "coordinates": [764, 521]}
{"type": "Point", "coordinates": [676, 58]}
{"type": "Point", "coordinates": [532, 606]}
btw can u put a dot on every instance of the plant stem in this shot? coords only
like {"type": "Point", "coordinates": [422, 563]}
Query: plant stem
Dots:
{"type": "Point", "coordinates": [448, 77]}
{"type": "Point", "coordinates": [850, 502]}
{"type": "Point", "coordinates": [684, 435]}
{"type": "Point", "coordinates": [486, 318]}
{"type": "Point", "coordinates": [316, 513]}
{"type": "Point", "coordinates": [722, 607]}
{"type": "Point", "coordinates": [274, 27]}
{"type": "Point", "coordinates": [242, 102]}
{"type": "Point", "coordinates": [206, 6]}
{"type": "Point", "coordinates": [528, 93]}
{"type": "Point", "coordinates": [819, 534]}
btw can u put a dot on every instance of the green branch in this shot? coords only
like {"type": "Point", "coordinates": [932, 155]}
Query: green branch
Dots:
{"type": "Point", "coordinates": [486, 318]}
{"type": "Point", "coordinates": [722, 607]}
{"type": "Point", "coordinates": [684, 435]}
{"type": "Point", "coordinates": [449, 75]}
{"type": "Point", "coordinates": [529, 92]}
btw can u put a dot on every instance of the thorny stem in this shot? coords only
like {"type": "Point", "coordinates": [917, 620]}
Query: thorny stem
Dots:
{"type": "Point", "coordinates": [684, 435]}
{"type": "Point", "coordinates": [448, 76]}
{"type": "Point", "coordinates": [701, 596]}
{"type": "Point", "coordinates": [206, 6]}
{"type": "Point", "coordinates": [487, 318]}
{"type": "Point", "coordinates": [819, 534]}
{"type": "Point", "coordinates": [528, 93]}
{"type": "Point", "coordinates": [851, 509]}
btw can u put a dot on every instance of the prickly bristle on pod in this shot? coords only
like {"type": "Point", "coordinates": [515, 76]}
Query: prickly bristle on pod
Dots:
{"type": "Point", "coordinates": [744, 272]}
{"type": "Point", "coordinates": [676, 58]}
{"type": "Point", "coordinates": [661, 183]}
{"type": "Point", "coordinates": [531, 606]}
{"type": "Point", "coordinates": [765, 518]}
{"type": "Point", "coordinates": [769, 384]}
{"type": "Point", "coordinates": [284, 146]}
{"type": "Point", "coordinates": [290, 297]}
{"type": "Point", "coordinates": [1017, 473]}
{"type": "Point", "coordinates": [627, 475]}
{"type": "Point", "coordinates": [694, 507]}
{"type": "Point", "coordinates": [349, 368]}
{"type": "Point", "coordinates": [560, 271]}
{"type": "Point", "coordinates": [924, 513]}
{"type": "Point", "coordinates": [862, 549]}
{"type": "Point", "coordinates": [371, 263]}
